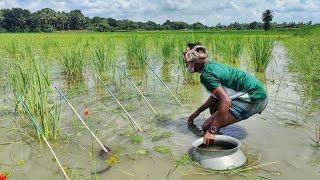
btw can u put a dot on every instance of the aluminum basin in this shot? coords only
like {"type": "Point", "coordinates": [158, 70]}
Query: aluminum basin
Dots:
{"type": "Point", "coordinates": [219, 159]}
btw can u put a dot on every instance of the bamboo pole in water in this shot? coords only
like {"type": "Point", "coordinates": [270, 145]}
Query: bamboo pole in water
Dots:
{"type": "Point", "coordinates": [118, 102]}
{"type": "Point", "coordinates": [125, 73]}
{"type": "Point", "coordinates": [26, 109]}
{"type": "Point", "coordinates": [80, 118]}
{"type": "Point", "coordinates": [163, 83]}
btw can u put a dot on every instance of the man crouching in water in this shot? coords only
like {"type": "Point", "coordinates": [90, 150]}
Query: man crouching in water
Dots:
{"type": "Point", "coordinates": [235, 94]}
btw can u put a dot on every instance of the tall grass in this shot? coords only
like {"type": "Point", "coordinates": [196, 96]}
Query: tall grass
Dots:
{"type": "Point", "coordinates": [73, 61]}
{"type": "Point", "coordinates": [304, 52]}
{"type": "Point", "coordinates": [261, 52]}
{"type": "Point", "coordinates": [136, 55]}
{"type": "Point", "coordinates": [103, 60]}
{"type": "Point", "coordinates": [227, 49]}
{"type": "Point", "coordinates": [31, 80]}
{"type": "Point", "coordinates": [136, 52]}
{"type": "Point", "coordinates": [167, 48]}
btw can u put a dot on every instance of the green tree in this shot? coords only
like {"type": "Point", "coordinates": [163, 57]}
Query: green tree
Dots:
{"type": "Point", "coordinates": [15, 19]}
{"type": "Point", "coordinates": [254, 25]}
{"type": "Point", "coordinates": [197, 25]}
{"type": "Point", "coordinates": [48, 19]}
{"type": "Point", "coordinates": [62, 21]}
{"type": "Point", "coordinates": [34, 23]}
{"type": "Point", "coordinates": [1, 19]}
{"type": "Point", "coordinates": [100, 24]}
{"type": "Point", "coordinates": [77, 20]}
{"type": "Point", "coordinates": [267, 17]}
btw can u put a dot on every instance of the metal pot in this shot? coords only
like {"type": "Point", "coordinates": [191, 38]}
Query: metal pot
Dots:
{"type": "Point", "coordinates": [219, 159]}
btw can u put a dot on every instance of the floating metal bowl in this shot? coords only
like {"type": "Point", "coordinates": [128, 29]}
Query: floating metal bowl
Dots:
{"type": "Point", "coordinates": [219, 159]}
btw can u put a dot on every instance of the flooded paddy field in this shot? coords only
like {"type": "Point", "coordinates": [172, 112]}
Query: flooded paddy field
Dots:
{"type": "Point", "coordinates": [279, 143]}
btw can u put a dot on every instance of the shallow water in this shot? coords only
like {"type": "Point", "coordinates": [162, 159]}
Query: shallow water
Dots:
{"type": "Point", "coordinates": [267, 135]}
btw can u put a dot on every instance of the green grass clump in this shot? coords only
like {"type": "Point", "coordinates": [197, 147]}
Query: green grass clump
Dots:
{"type": "Point", "coordinates": [304, 53]}
{"type": "Point", "coordinates": [162, 149]}
{"type": "Point", "coordinates": [136, 52]}
{"type": "Point", "coordinates": [227, 49]}
{"type": "Point", "coordinates": [136, 139]}
{"type": "Point", "coordinates": [142, 152]}
{"type": "Point", "coordinates": [31, 80]}
{"type": "Point", "coordinates": [73, 61]}
{"type": "Point", "coordinates": [163, 135]}
{"type": "Point", "coordinates": [103, 61]}
{"type": "Point", "coordinates": [167, 48]}
{"type": "Point", "coordinates": [261, 52]}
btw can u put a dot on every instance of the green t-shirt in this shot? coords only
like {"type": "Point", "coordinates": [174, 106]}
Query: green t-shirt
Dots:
{"type": "Point", "coordinates": [214, 75]}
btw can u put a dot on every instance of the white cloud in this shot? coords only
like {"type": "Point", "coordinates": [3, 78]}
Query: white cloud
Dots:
{"type": "Point", "coordinates": [205, 11]}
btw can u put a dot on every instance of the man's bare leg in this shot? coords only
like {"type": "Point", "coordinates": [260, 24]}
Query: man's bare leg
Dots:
{"type": "Point", "coordinates": [217, 122]}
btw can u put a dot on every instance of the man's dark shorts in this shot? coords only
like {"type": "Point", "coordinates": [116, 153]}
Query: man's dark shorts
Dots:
{"type": "Point", "coordinates": [242, 110]}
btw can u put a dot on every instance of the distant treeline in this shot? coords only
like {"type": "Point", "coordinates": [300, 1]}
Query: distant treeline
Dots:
{"type": "Point", "coordinates": [49, 20]}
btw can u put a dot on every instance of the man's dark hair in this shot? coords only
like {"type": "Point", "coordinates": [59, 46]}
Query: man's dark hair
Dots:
{"type": "Point", "coordinates": [192, 45]}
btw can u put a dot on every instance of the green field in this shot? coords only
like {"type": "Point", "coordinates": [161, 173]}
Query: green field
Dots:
{"type": "Point", "coordinates": [31, 63]}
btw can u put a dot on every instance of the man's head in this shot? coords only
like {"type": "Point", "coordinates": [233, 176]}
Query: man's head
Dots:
{"type": "Point", "coordinates": [195, 57]}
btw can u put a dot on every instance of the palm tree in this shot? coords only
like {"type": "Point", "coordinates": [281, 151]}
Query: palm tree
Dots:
{"type": "Point", "coordinates": [267, 17]}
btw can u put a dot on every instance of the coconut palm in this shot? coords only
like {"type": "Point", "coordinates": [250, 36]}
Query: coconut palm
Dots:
{"type": "Point", "coordinates": [267, 17]}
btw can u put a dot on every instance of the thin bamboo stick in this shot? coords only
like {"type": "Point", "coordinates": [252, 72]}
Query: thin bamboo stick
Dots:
{"type": "Point", "coordinates": [163, 83]}
{"type": "Point", "coordinates": [26, 109]}
{"type": "Point", "coordinates": [125, 73]}
{"type": "Point", "coordinates": [80, 118]}
{"type": "Point", "coordinates": [118, 102]}
{"type": "Point", "coordinates": [177, 72]}
{"type": "Point", "coordinates": [55, 156]}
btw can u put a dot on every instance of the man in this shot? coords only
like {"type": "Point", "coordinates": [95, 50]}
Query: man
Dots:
{"type": "Point", "coordinates": [235, 94]}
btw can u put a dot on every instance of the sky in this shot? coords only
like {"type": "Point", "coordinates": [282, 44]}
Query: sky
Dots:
{"type": "Point", "coordinates": [208, 12]}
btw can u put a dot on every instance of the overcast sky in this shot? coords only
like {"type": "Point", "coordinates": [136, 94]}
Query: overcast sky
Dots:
{"type": "Point", "coordinates": [209, 12]}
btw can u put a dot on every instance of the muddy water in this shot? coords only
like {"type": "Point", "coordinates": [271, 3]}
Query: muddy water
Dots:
{"type": "Point", "coordinates": [267, 135]}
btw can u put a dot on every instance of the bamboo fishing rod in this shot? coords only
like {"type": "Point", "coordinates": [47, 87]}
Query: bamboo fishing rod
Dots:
{"type": "Point", "coordinates": [40, 132]}
{"type": "Point", "coordinates": [177, 72]}
{"type": "Point", "coordinates": [126, 74]}
{"type": "Point", "coordinates": [118, 102]}
{"type": "Point", "coordinates": [82, 121]}
{"type": "Point", "coordinates": [163, 83]}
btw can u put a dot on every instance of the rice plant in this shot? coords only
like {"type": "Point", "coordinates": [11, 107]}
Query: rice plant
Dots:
{"type": "Point", "coordinates": [136, 55]}
{"type": "Point", "coordinates": [73, 61]}
{"type": "Point", "coordinates": [31, 80]}
{"type": "Point", "coordinates": [12, 48]}
{"type": "Point", "coordinates": [227, 49]}
{"type": "Point", "coordinates": [103, 61]}
{"type": "Point", "coordinates": [261, 52]}
{"type": "Point", "coordinates": [136, 52]}
{"type": "Point", "coordinates": [305, 57]}
{"type": "Point", "coordinates": [167, 48]}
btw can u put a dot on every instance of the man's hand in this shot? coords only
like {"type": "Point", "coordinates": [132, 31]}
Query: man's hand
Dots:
{"type": "Point", "coordinates": [192, 117]}
{"type": "Point", "coordinates": [208, 138]}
